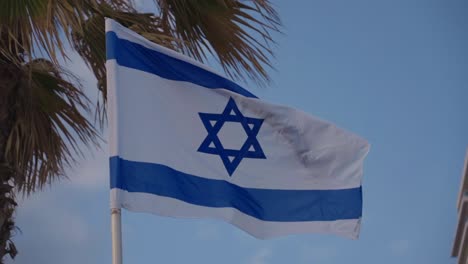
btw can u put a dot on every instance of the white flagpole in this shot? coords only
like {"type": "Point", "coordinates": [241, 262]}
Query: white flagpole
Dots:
{"type": "Point", "coordinates": [116, 231]}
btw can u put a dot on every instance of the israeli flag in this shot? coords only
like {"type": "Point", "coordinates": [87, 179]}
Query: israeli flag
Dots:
{"type": "Point", "coordinates": [187, 142]}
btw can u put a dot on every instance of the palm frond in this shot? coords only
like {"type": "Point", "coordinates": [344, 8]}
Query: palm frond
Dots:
{"type": "Point", "coordinates": [236, 32]}
{"type": "Point", "coordinates": [31, 26]}
{"type": "Point", "coordinates": [229, 29]}
{"type": "Point", "coordinates": [89, 40]}
{"type": "Point", "coordinates": [44, 109]}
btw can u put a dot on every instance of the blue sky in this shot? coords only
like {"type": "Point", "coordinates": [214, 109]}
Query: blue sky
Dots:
{"type": "Point", "coordinates": [394, 72]}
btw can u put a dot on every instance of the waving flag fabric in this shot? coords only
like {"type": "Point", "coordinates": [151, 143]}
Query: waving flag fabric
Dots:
{"type": "Point", "coordinates": [188, 142]}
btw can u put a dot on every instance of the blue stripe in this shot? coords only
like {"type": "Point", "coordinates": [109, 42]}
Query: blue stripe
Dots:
{"type": "Point", "coordinates": [136, 56]}
{"type": "Point", "coordinates": [263, 204]}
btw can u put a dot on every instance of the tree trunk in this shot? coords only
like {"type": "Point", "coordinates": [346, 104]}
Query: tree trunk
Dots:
{"type": "Point", "coordinates": [7, 196]}
{"type": "Point", "coordinates": [7, 208]}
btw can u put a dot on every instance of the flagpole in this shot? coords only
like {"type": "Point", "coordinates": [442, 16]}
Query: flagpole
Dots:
{"type": "Point", "coordinates": [116, 231]}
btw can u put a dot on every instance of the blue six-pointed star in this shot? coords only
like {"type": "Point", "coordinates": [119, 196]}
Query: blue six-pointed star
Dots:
{"type": "Point", "coordinates": [231, 157]}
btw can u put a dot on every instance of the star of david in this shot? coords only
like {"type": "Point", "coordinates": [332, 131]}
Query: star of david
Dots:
{"type": "Point", "coordinates": [231, 157]}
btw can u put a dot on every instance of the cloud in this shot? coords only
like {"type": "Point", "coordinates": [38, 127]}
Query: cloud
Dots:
{"type": "Point", "coordinates": [56, 220]}
{"type": "Point", "coordinates": [399, 247]}
{"type": "Point", "coordinates": [318, 254]}
{"type": "Point", "coordinates": [91, 172]}
{"type": "Point", "coordinates": [207, 231]}
{"type": "Point", "coordinates": [50, 229]}
{"type": "Point", "coordinates": [66, 222]}
{"type": "Point", "coordinates": [262, 256]}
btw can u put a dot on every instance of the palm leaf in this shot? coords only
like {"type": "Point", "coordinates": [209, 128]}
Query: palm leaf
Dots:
{"type": "Point", "coordinates": [45, 112]}
{"type": "Point", "coordinates": [237, 33]}
{"type": "Point", "coordinates": [89, 41]}
{"type": "Point", "coordinates": [37, 28]}
{"type": "Point", "coordinates": [31, 26]}
{"type": "Point", "coordinates": [229, 29]}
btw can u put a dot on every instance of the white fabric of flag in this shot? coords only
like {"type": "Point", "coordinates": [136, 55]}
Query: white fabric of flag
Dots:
{"type": "Point", "coordinates": [187, 142]}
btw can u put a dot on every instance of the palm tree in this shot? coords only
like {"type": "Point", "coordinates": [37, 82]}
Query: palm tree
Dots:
{"type": "Point", "coordinates": [44, 115]}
